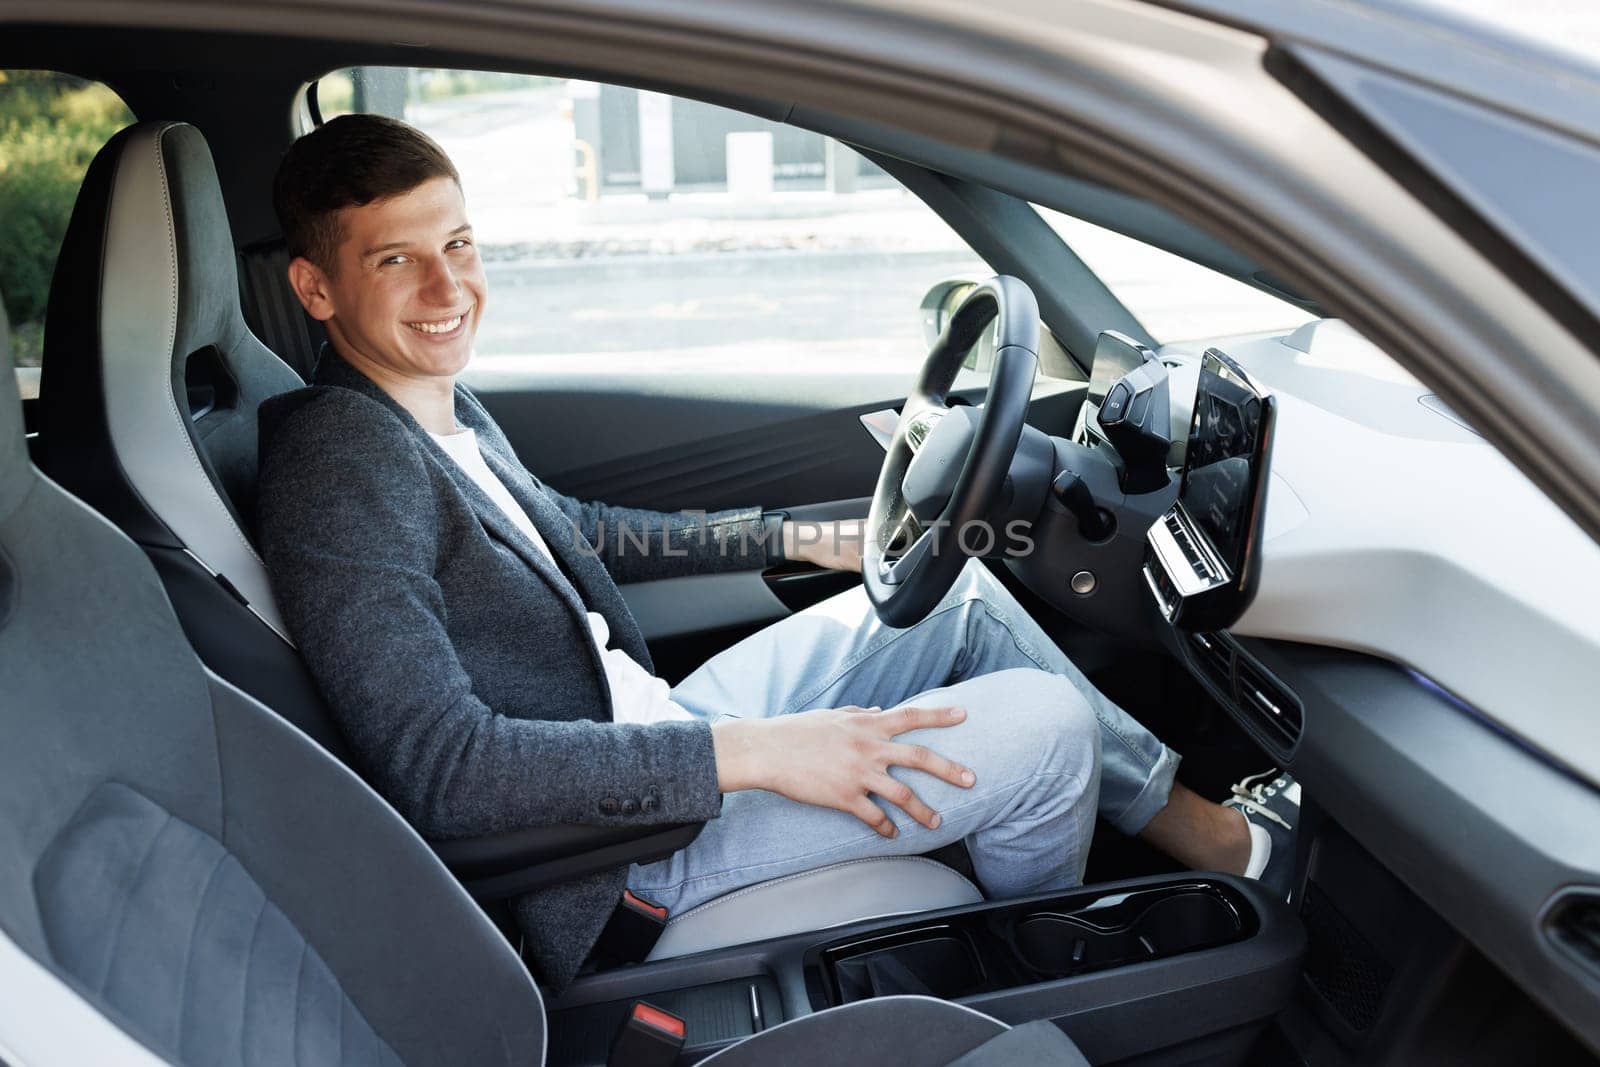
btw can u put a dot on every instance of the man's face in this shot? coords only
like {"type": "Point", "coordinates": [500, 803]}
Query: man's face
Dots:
{"type": "Point", "coordinates": [409, 289]}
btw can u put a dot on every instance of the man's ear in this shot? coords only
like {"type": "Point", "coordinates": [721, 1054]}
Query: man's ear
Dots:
{"type": "Point", "coordinates": [310, 284]}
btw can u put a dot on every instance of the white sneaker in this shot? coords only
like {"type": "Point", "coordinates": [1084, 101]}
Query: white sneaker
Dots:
{"type": "Point", "coordinates": [1270, 809]}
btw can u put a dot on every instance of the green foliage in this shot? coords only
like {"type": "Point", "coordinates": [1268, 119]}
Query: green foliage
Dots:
{"type": "Point", "coordinates": [51, 125]}
{"type": "Point", "coordinates": [335, 94]}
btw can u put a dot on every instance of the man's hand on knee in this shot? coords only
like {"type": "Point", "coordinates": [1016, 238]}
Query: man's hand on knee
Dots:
{"type": "Point", "coordinates": [837, 758]}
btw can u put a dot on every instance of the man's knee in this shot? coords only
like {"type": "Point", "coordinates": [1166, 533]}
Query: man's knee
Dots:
{"type": "Point", "coordinates": [974, 582]}
{"type": "Point", "coordinates": [1043, 719]}
{"type": "Point", "coordinates": [1055, 707]}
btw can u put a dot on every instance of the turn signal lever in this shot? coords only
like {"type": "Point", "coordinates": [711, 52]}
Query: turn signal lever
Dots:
{"type": "Point", "coordinates": [1094, 523]}
{"type": "Point", "coordinates": [1136, 417]}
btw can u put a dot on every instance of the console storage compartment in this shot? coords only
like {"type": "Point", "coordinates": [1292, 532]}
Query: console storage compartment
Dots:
{"type": "Point", "coordinates": [715, 1015]}
{"type": "Point", "coordinates": [933, 961]}
{"type": "Point", "coordinates": [1191, 962]}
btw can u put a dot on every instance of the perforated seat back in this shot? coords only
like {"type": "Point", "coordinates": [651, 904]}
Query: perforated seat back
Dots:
{"type": "Point", "coordinates": [148, 400]}
{"type": "Point", "coordinates": [199, 872]}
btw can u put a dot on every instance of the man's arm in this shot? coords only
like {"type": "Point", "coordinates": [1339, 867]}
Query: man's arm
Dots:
{"type": "Point", "coordinates": [835, 544]}
{"type": "Point", "coordinates": [637, 544]}
{"type": "Point", "coordinates": [350, 540]}
{"type": "Point", "coordinates": [630, 541]}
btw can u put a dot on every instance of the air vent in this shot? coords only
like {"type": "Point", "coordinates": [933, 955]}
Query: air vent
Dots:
{"type": "Point", "coordinates": [1213, 659]}
{"type": "Point", "coordinates": [1268, 704]}
{"type": "Point", "coordinates": [1574, 925]}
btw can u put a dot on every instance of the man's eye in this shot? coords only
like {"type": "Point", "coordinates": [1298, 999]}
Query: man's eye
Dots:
{"type": "Point", "coordinates": [389, 261]}
{"type": "Point", "coordinates": [458, 244]}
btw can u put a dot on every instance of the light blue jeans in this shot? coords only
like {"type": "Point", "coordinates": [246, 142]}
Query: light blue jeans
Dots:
{"type": "Point", "coordinates": [1046, 746]}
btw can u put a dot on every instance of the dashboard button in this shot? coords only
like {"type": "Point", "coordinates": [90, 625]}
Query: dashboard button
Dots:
{"type": "Point", "coordinates": [1116, 403]}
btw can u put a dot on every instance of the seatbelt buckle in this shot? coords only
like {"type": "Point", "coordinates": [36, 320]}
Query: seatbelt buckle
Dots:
{"type": "Point", "coordinates": [633, 930]}
{"type": "Point", "coordinates": [648, 1037]}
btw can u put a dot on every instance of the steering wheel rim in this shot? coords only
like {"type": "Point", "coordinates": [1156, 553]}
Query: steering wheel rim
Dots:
{"type": "Point", "coordinates": [903, 590]}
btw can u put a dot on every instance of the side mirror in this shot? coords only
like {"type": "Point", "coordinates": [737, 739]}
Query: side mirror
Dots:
{"type": "Point", "coordinates": [939, 304]}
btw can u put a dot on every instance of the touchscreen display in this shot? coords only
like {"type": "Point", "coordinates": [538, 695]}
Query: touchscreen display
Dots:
{"type": "Point", "coordinates": [1223, 453]}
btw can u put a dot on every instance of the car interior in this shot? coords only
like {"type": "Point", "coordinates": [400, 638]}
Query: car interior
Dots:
{"type": "Point", "coordinates": [1211, 544]}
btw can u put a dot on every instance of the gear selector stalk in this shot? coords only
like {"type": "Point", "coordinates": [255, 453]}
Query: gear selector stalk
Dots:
{"type": "Point", "coordinates": [1136, 417]}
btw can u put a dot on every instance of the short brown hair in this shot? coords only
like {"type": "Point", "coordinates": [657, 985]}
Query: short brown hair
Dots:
{"type": "Point", "coordinates": [347, 162]}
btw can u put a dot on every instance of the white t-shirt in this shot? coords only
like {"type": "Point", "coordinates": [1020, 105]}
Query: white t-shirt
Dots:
{"type": "Point", "coordinates": [636, 695]}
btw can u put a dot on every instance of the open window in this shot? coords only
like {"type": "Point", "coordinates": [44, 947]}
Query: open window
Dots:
{"type": "Point", "coordinates": [637, 231]}
{"type": "Point", "coordinates": [51, 126]}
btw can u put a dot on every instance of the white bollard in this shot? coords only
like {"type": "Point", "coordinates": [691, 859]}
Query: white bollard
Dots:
{"type": "Point", "coordinates": [656, 171]}
{"type": "Point", "coordinates": [750, 165]}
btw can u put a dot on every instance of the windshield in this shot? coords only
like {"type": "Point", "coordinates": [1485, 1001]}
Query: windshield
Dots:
{"type": "Point", "coordinates": [1174, 299]}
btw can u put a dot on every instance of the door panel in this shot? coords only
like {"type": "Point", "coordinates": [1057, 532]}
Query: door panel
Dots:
{"type": "Point", "coordinates": [677, 439]}
{"type": "Point", "coordinates": [675, 607]}
{"type": "Point", "coordinates": [682, 440]}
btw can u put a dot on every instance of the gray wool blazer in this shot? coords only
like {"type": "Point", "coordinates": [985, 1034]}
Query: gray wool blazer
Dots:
{"type": "Point", "coordinates": [456, 656]}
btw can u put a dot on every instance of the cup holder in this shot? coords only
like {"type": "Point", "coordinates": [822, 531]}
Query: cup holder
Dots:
{"type": "Point", "coordinates": [1003, 946]}
{"type": "Point", "coordinates": [1140, 926]}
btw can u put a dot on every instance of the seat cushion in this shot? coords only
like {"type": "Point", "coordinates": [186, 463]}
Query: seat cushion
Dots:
{"type": "Point", "coordinates": [816, 900]}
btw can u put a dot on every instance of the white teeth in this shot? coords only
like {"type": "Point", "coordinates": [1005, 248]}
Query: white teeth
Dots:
{"type": "Point", "coordinates": [436, 327]}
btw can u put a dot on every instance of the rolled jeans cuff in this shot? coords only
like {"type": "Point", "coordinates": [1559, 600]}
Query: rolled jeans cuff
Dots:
{"type": "Point", "coordinates": [1153, 797]}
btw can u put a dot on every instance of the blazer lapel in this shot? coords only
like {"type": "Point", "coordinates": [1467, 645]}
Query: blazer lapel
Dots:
{"type": "Point", "coordinates": [578, 559]}
{"type": "Point", "coordinates": [332, 370]}
{"type": "Point", "coordinates": [498, 523]}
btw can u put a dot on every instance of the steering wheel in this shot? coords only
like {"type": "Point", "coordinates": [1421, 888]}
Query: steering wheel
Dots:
{"type": "Point", "coordinates": [946, 464]}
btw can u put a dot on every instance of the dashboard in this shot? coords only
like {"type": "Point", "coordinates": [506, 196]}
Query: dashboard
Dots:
{"type": "Point", "coordinates": [1390, 528]}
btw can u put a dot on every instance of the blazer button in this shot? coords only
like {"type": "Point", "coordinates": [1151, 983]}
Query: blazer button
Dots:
{"type": "Point", "coordinates": [609, 806]}
{"type": "Point", "coordinates": [650, 803]}
{"type": "Point", "coordinates": [630, 807]}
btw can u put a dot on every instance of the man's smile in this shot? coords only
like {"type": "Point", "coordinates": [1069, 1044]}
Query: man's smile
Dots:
{"type": "Point", "coordinates": [435, 326]}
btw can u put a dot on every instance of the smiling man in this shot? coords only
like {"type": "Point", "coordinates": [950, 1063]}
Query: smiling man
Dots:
{"type": "Point", "coordinates": [464, 622]}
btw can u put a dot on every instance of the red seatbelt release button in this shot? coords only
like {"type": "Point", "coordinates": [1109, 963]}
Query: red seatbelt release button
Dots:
{"type": "Point", "coordinates": [648, 1037]}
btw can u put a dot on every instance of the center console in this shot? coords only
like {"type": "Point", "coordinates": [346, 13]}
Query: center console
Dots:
{"type": "Point", "coordinates": [1173, 968]}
